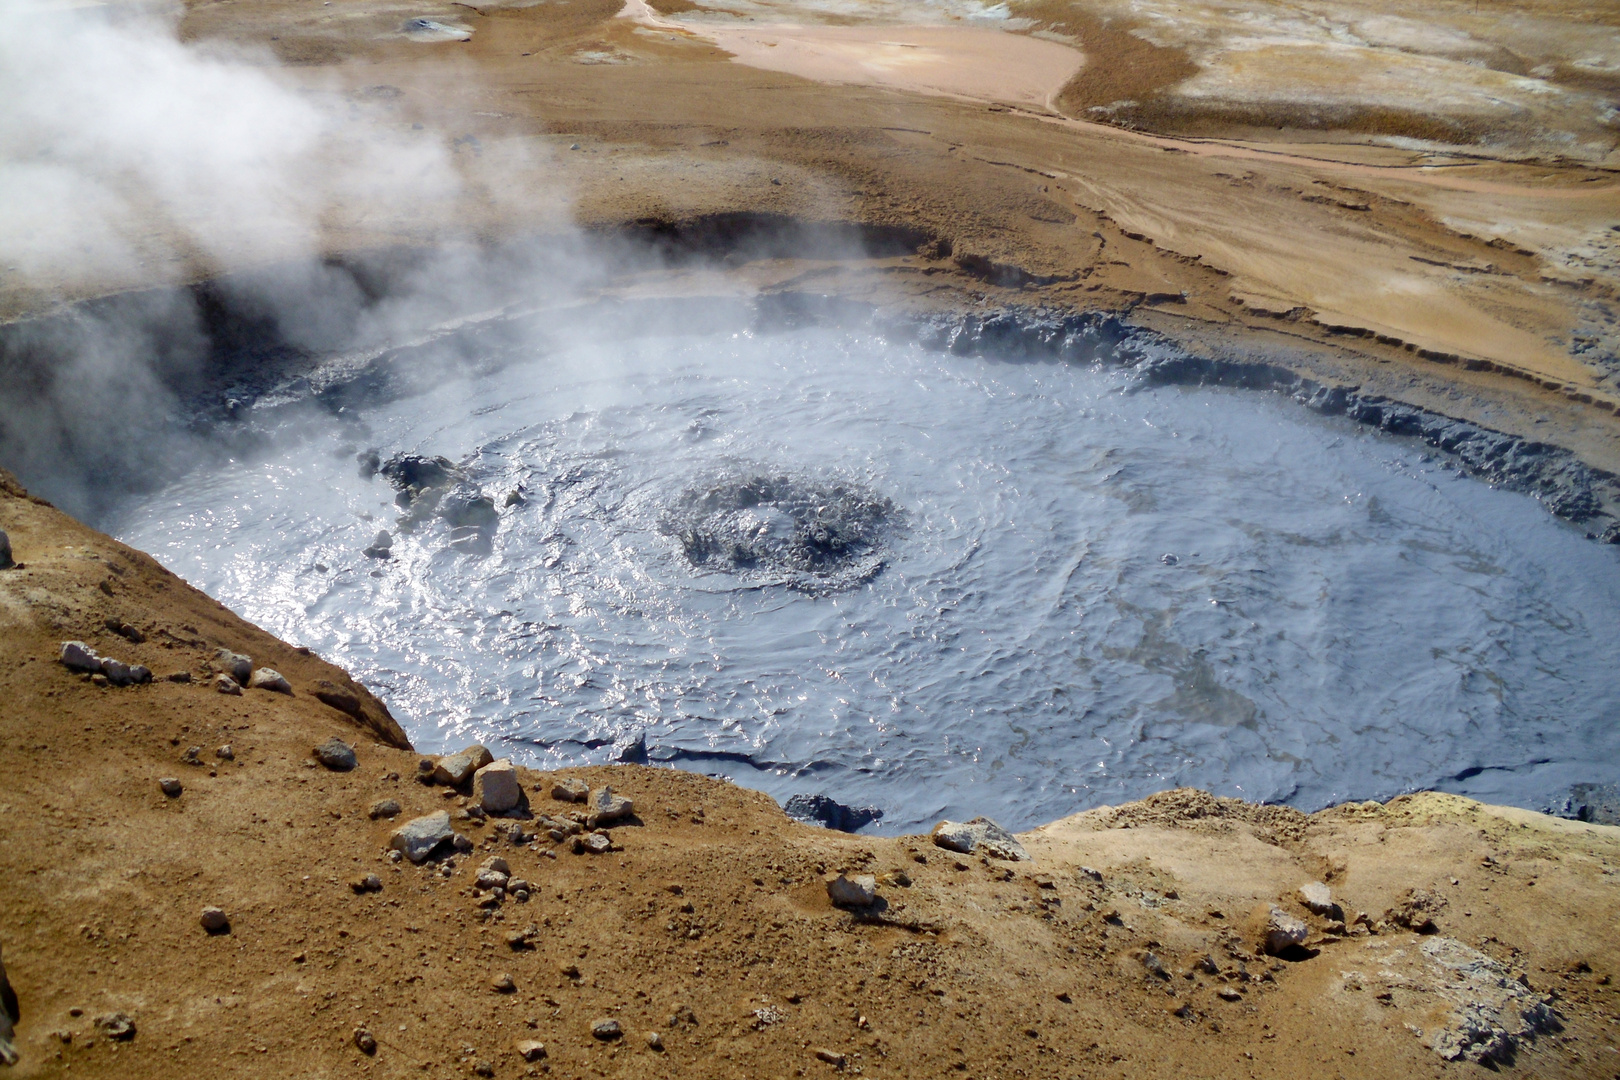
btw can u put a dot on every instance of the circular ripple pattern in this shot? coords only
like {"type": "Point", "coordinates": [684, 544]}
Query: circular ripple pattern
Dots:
{"type": "Point", "coordinates": [805, 532]}
{"type": "Point", "coordinates": [1339, 615]}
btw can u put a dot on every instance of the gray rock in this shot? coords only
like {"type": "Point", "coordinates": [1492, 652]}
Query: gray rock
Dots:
{"type": "Point", "coordinates": [6, 561]}
{"type": "Point", "coordinates": [227, 685]}
{"type": "Point", "coordinates": [178, 677]}
{"type": "Point", "coordinates": [858, 891]}
{"type": "Point", "coordinates": [490, 879]}
{"type": "Point", "coordinates": [417, 838]}
{"type": "Point", "coordinates": [368, 883]}
{"type": "Point", "coordinates": [606, 808]}
{"type": "Point", "coordinates": [117, 671]}
{"type": "Point", "coordinates": [140, 674]}
{"type": "Point", "coordinates": [503, 984]}
{"type": "Point", "coordinates": [496, 787]}
{"type": "Point", "coordinates": [215, 921]}
{"type": "Point", "coordinates": [457, 768]}
{"type": "Point", "coordinates": [829, 813]}
{"type": "Point", "coordinates": [118, 1026]}
{"type": "Point", "coordinates": [569, 789]}
{"type": "Point", "coordinates": [235, 665]}
{"type": "Point", "coordinates": [382, 547]}
{"type": "Point", "coordinates": [270, 679]}
{"type": "Point", "coordinates": [497, 864]}
{"type": "Point", "coordinates": [225, 753]}
{"type": "Point", "coordinates": [979, 835]}
{"type": "Point", "coordinates": [531, 1051]}
{"type": "Point", "coordinates": [1316, 896]}
{"type": "Point", "coordinates": [655, 1041]}
{"type": "Point", "coordinates": [336, 755]}
{"type": "Point", "coordinates": [9, 1015]}
{"type": "Point", "coordinates": [597, 843]}
{"type": "Point", "coordinates": [365, 1041]}
{"type": "Point", "coordinates": [384, 808]}
{"type": "Point", "coordinates": [77, 656]}
{"type": "Point", "coordinates": [171, 786]}
{"type": "Point", "coordinates": [606, 1029]}
{"type": "Point", "coordinates": [1284, 931]}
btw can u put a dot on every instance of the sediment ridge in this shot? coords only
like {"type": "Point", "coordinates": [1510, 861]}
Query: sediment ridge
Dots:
{"type": "Point", "coordinates": [196, 883]}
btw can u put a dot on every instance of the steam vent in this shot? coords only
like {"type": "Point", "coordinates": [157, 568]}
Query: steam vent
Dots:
{"type": "Point", "coordinates": [655, 539]}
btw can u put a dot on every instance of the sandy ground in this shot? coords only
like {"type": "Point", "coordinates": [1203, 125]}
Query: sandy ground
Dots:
{"type": "Point", "coordinates": [1132, 944]}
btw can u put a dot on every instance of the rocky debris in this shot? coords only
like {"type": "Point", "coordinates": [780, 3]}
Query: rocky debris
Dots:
{"type": "Point", "coordinates": [370, 883]}
{"type": "Point", "coordinates": [570, 789]}
{"type": "Point", "coordinates": [77, 656]}
{"type": "Point", "coordinates": [503, 984]}
{"type": "Point", "coordinates": [1416, 911]}
{"type": "Point", "coordinates": [381, 547]}
{"type": "Point", "coordinates": [521, 940]}
{"type": "Point", "coordinates": [597, 843]}
{"type": "Point", "coordinates": [170, 786]}
{"type": "Point", "coordinates": [336, 755]}
{"type": "Point", "coordinates": [531, 1051]}
{"type": "Point", "coordinates": [365, 1041]}
{"type": "Point", "coordinates": [215, 921]}
{"type": "Point", "coordinates": [858, 891]}
{"type": "Point", "coordinates": [606, 808]}
{"type": "Point", "coordinates": [9, 1015]}
{"type": "Point", "coordinates": [6, 561]}
{"type": "Point", "coordinates": [1284, 931]}
{"type": "Point", "coordinates": [558, 828]}
{"type": "Point", "coordinates": [192, 755]}
{"type": "Point", "coordinates": [655, 1041]}
{"type": "Point", "coordinates": [121, 674]}
{"type": "Point", "coordinates": [118, 1026]}
{"type": "Point", "coordinates": [830, 814]}
{"type": "Point", "coordinates": [235, 665]}
{"type": "Point", "coordinates": [125, 630]}
{"type": "Point", "coordinates": [606, 1029]}
{"type": "Point", "coordinates": [225, 753]}
{"type": "Point", "coordinates": [831, 1057]}
{"type": "Point", "coordinates": [227, 685]}
{"type": "Point", "coordinates": [1228, 993]}
{"type": "Point", "coordinates": [1318, 898]}
{"type": "Point", "coordinates": [979, 835]}
{"type": "Point", "coordinates": [496, 787]}
{"type": "Point", "coordinates": [417, 838]}
{"type": "Point", "coordinates": [455, 769]}
{"type": "Point", "coordinates": [384, 808]}
{"type": "Point", "coordinates": [414, 476]}
{"type": "Point", "coordinates": [490, 878]}
{"type": "Point", "coordinates": [344, 701]}
{"type": "Point", "coordinates": [178, 677]}
{"type": "Point", "coordinates": [270, 679]}
{"type": "Point", "coordinates": [519, 888]}
{"type": "Point", "coordinates": [1154, 966]}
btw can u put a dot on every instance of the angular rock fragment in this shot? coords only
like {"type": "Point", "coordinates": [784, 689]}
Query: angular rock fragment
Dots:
{"type": "Point", "coordinates": [606, 808]}
{"type": "Point", "coordinates": [384, 808]}
{"type": "Point", "coordinates": [417, 838]}
{"type": "Point", "coordinates": [858, 891]}
{"type": "Point", "coordinates": [1284, 931]}
{"type": "Point", "coordinates": [77, 656]}
{"type": "Point", "coordinates": [979, 835]}
{"type": "Point", "coordinates": [170, 786]}
{"type": "Point", "coordinates": [606, 1029]}
{"type": "Point", "coordinates": [270, 679]}
{"type": "Point", "coordinates": [1317, 897]}
{"type": "Point", "coordinates": [503, 984]}
{"type": "Point", "coordinates": [496, 787]}
{"type": "Point", "coordinates": [455, 769]}
{"type": "Point", "coordinates": [227, 685]}
{"type": "Point", "coordinates": [336, 755]}
{"type": "Point", "coordinates": [531, 1051]}
{"type": "Point", "coordinates": [214, 920]}
{"type": "Point", "coordinates": [829, 813]}
{"type": "Point", "coordinates": [570, 789]}
{"type": "Point", "coordinates": [118, 1026]}
{"type": "Point", "coordinates": [365, 1041]}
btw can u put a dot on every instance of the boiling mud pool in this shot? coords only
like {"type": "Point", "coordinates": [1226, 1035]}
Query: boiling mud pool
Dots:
{"type": "Point", "coordinates": [820, 562]}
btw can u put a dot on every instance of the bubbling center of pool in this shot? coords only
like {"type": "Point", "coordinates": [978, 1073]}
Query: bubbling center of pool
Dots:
{"type": "Point", "coordinates": [825, 563]}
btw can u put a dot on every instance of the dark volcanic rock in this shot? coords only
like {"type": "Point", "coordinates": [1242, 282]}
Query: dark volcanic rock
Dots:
{"type": "Point", "coordinates": [831, 814]}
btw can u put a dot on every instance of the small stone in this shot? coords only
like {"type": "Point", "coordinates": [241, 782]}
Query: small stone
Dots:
{"type": "Point", "coordinates": [981, 835]}
{"type": "Point", "coordinates": [381, 546]}
{"type": "Point", "coordinates": [455, 769]}
{"type": "Point", "coordinates": [365, 1041]}
{"type": "Point", "coordinates": [496, 863]}
{"type": "Point", "coordinates": [270, 679]}
{"type": "Point", "coordinates": [178, 677]}
{"type": "Point", "coordinates": [461, 843]}
{"type": "Point", "coordinates": [77, 656]}
{"type": "Point", "coordinates": [1227, 993]}
{"type": "Point", "coordinates": [369, 884]}
{"type": "Point", "coordinates": [898, 878]}
{"type": "Point", "coordinates": [171, 786]}
{"type": "Point", "coordinates": [1315, 895]}
{"type": "Point", "coordinates": [483, 1068]}
{"type": "Point", "coordinates": [605, 808]}
{"type": "Point", "coordinates": [117, 1026]}
{"type": "Point", "coordinates": [417, 838]}
{"type": "Point", "coordinates": [655, 1041]}
{"type": "Point", "coordinates": [234, 664]}
{"type": "Point", "coordinates": [858, 891]}
{"type": "Point", "coordinates": [336, 755]}
{"type": "Point", "coordinates": [227, 685]}
{"type": "Point", "coordinates": [192, 756]}
{"type": "Point", "coordinates": [496, 787]}
{"type": "Point", "coordinates": [384, 808]}
{"type": "Point", "coordinates": [516, 884]}
{"type": "Point", "coordinates": [490, 879]}
{"type": "Point", "coordinates": [215, 921]}
{"type": "Point", "coordinates": [518, 940]}
{"type": "Point", "coordinates": [606, 1029]}
{"type": "Point", "coordinates": [1284, 931]}
{"type": "Point", "coordinates": [117, 671]}
{"type": "Point", "coordinates": [597, 843]}
{"type": "Point", "coordinates": [531, 1051]}
{"type": "Point", "coordinates": [503, 984]}
{"type": "Point", "coordinates": [140, 674]}
{"type": "Point", "coordinates": [569, 789]}
{"type": "Point", "coordinates": [832, 1057]}
{"type": "Point", "coordinates": [225, 753]}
